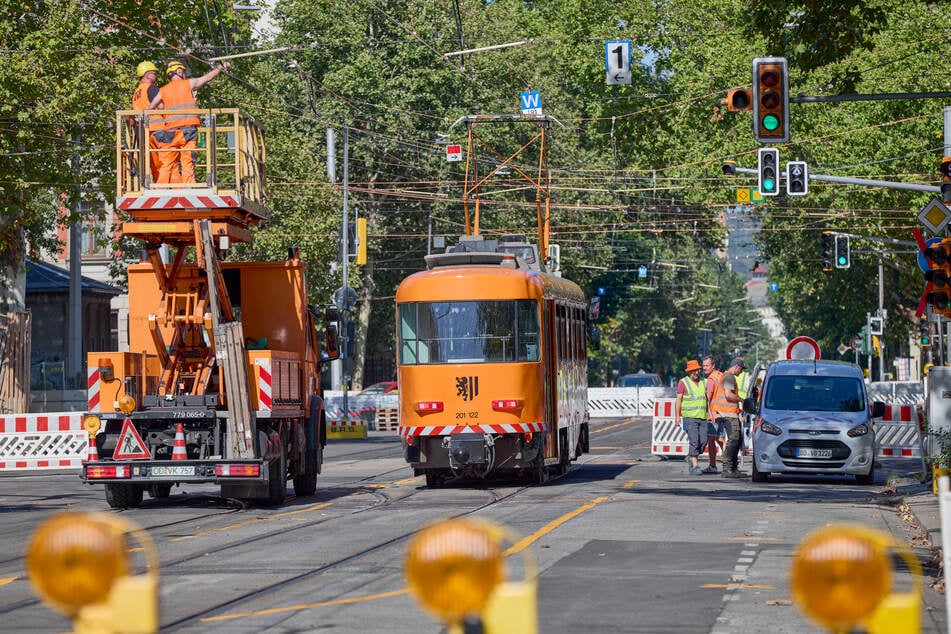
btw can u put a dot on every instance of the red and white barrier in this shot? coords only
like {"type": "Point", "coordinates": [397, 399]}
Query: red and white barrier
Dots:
{"type": "Point", "coordinates": [667, 437]}
{"type": "Point", "coordinates": [42, 441]}
{"type": "Point", "coordinates": [898, 432]}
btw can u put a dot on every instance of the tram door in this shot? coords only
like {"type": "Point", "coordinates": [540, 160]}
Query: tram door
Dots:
{"type": "Point", "coordinates": [551, 377]}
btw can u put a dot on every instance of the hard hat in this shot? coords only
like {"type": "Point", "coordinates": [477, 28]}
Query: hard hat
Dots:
{"type": "Point", "coordinates": [174, 66]}
{"type": "Point", "coordinates": [145, 67]}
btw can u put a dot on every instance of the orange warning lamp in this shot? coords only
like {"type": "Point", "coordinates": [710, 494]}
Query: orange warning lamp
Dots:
{"type": "Point", "coordinates": [126, 404]}
{"type": "Point", "coordinates": [453, 566]}
{"type": "Point", "coordinates": [841, 577]}
{"type": "Point", "coordinates": [78, 563]}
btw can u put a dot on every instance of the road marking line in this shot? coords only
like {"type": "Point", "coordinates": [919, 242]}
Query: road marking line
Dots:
{"type": "Point", "coordinates": [306, 606]}
{"type": "Point", "coordinates": [4, 581]}
{"type": "Point", "coordinates": [629, 484]}
{"type": "Point", "coordinates": [211, 531]}
{"type": "Point", "coordinates": [621, 424]}
{"type": "Point", "coordinates": [515, 548]}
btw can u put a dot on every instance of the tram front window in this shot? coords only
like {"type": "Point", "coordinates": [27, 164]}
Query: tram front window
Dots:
{"type": "Point", "coordinates": [468, 332]}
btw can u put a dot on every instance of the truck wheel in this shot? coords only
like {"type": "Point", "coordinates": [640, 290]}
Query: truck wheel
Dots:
{"type": "Point", "coordinates": [306, 483]}
{"type": "Point", "coordinates": [277, 481]}
{"type": "Point", "coordinates": [564, 460]}
{"type": "Point", "coordinates": [123, 496]}
{"type": "Point", "coordinates": [160, 490]}
{"type": "Point", "coordinates": [434, 479]}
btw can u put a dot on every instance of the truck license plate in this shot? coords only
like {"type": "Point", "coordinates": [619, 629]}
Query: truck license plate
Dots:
{"type": "Point", "coordinates": [173, 471]}
{"type": "Point", "coordinates": [809, 452]}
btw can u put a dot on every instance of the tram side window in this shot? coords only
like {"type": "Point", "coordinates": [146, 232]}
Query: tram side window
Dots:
{"type": "Point", "coordinates": [527, 319]}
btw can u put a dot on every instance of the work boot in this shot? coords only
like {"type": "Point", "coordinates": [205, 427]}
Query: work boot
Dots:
{"type": "Point", "coordinates": [734, 474]}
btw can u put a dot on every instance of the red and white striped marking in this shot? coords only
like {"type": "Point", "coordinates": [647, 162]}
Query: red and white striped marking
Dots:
{"type": "Point", "coordinates": [264, 384]}
{"type": "Point", "coordinates": [42, 441]}
{"type": "Point", "coordinates": [195, 201]}
{"type": "Point", "coordinates": [897, 433]}
{"type": "Point", "coordinates": [92, 389]}
{"type": "Point", "coordinates": [448, 430]}
{"type": "Point", "coordinates": [664, 407]}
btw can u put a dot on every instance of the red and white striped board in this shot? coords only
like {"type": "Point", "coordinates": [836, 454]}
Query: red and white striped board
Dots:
{"type": "Point", "coordinates": [448, 430]}
{"type": "Point", "coordinates": [898, 432]}
{"type": "Point", "coordinates": [42, 441]}
{"type": "Point", "coordinates": [193, 201]}
{"type": "Point", "coordinates": [92, 389]}
{"type": "Point", "coordinates": [264, 384]}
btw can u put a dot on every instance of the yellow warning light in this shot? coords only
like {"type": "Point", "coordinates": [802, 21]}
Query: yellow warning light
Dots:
{"type": "Point", "coordinates": [91, 424]}
{"type": "Point", "coordinates": [840, 575]}
{"type": "Point", "coordinates": [126, 404]}
{"type": "Point", "coordinates": [453, 566]}
{"type": "Point", "coordinates": [78, 563]}
{"type": "Point", "coordinates": [73, 561]}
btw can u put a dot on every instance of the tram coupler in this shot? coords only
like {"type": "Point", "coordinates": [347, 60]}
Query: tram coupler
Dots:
{"type": "Point", "coordinates": [468, 449]}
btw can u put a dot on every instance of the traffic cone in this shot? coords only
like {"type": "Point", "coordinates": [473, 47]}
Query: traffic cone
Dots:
{"type": "Point", "coordinates": [178, 451]}
{"type": "Point", "coordinates": [93, 455]}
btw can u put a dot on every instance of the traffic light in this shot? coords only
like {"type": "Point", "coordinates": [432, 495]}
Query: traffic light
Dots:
{"type": "Point", "coordinates": [843, 258]}
{"type": "Point", "coordinates": [738, 99]}
{"type": "Point", "coordinates": [768, 171]}
{"type": "Point", "coordinates": [797, 178]}
{"type": "Point", "coordinates": [946, 177]}
{"type": "Point", "coordinates": [940, 257]}
{"type": "Point", "coordinates": [827, 250]}
{"type": "Point", "coordinates": [770, 100]}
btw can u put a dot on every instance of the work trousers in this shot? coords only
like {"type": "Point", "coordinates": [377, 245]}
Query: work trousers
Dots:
{"type": "Point", "coordinates": [733, 431]}
{"type": "Point", "coordinates": [186, 141]}
{"type": "Point", "coordinates": [696, 434]}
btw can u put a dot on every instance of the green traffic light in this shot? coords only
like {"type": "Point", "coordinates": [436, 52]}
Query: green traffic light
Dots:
{"type": "Point", "coordinates": [842, 260]}
{"type": "Point", "coordinates": [770, 122]}
{"type": "Point", "coordinates": [768, 185]}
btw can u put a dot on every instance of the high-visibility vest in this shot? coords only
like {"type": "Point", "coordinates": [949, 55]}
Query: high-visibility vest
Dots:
{"type": "Point", "coordinates": [693, 404]}
{"type": "Point", "coordinates": [743, 384]}
{"type": "Point", "coordinates": [177, 95]}
{"type": "Point", "coordinates": [141, 100]}
{"type": "Point", "coordinates": [719, 406]}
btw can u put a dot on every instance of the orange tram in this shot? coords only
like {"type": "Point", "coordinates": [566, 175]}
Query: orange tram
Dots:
{"type": "Point", "coordinates": [492, 364]}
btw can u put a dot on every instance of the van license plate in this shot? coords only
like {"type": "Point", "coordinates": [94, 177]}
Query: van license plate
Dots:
{"type": "Point", "coordinates": [809, 452]}
{"type": "Point", "coordinates": [173, 471]}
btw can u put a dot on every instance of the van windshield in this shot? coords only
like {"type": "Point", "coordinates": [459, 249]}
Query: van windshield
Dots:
{"type": "Point", "coordinates": [815, 393]}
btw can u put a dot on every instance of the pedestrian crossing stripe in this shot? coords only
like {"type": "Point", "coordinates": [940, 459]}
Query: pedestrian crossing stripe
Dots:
{"type": "Point", "coordinates": [130, 445]}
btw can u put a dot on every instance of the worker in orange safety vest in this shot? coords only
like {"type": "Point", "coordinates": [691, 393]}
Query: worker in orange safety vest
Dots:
{"type": "Point", "coordinates": [158, 136]}
{"type": "Point", "coordinates": [179, 94]}
{"type": "Point", "coordinates": [724, 409]}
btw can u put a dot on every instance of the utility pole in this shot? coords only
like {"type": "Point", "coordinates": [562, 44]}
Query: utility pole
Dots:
{"type": "Point", "coordinates": [336, 366]}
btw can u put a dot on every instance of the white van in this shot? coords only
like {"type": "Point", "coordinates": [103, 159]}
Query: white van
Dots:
{"type": "Point", "coordinates": [813, 417]}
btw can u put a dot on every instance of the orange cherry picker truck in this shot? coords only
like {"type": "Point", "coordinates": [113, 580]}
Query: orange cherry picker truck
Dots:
{"type": "Point", "coordinates": [221, 381]}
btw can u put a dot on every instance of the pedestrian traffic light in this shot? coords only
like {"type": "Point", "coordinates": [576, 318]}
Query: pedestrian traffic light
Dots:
{"type": "Point", "coordinates": [768, 171]}
{"type": "Point", "coordinates": [827, 250]}
{"type": "Point", "coordinates": [738, 99]}
{"type": "Point", "coordinates": [797, 178]}
{"type": "Point", "coordinates": [843, 258]}
{"type": "Point", "coordinates": [770, 100]}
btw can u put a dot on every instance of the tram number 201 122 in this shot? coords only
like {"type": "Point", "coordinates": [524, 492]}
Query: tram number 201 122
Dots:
{"type": "Point", "coordinates": [467, 415]}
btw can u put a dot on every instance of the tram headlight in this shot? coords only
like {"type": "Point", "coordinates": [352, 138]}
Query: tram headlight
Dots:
{"type": "Point", "coordinates": [453, 566]}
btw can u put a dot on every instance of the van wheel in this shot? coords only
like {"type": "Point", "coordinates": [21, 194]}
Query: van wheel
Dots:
{"type": "Point", "coordinates": [757, 475]}
{"type": "Point", "coordinates": [868, 478]}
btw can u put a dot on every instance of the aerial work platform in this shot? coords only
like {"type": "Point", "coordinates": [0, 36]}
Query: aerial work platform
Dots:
{"type": "Point", "coordinates": [229, 170]}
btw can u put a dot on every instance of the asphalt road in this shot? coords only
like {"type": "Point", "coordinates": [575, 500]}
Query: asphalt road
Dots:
{"type": "Point", "coordinates": [624, 543]}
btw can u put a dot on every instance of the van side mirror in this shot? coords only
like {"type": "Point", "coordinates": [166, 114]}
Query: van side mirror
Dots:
{"type": "Point", "coordinates": [878, 409]}
{"type": "Point", "coordinates": [749, 405]}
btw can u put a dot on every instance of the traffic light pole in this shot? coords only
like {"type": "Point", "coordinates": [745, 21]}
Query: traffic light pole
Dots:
{"type": "Point", "coordinates": [854, 181]}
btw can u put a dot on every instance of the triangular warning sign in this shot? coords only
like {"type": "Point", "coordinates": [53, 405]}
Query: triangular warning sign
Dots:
{"type": "Point", "coordinates": [130, 446]}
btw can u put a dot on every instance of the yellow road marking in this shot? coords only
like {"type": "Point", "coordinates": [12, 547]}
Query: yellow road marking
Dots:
{"type": "Point", "coordinates": [4, 581]}
{"type": "Point", "coordinates": [306, 509]}
{"type": "Point", "coordinates": [748, 586]}
{"type": "Point", "coordinates": [629, 484]}
{"type": "Point", "coordinates": [515, 548]}
{"type": "Point", "coordinates": [306, 606]}
{"type": "Point", "coordinates": [615, 426]}
{"type": "Point", "coordinates": [525, 542]}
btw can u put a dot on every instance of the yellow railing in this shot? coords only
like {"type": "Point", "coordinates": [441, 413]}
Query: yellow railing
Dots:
{"type": "Point", "coordinates": [230, 158]}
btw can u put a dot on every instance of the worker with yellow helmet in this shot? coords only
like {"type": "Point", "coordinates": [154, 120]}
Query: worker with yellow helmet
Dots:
{"type": "Point", "coordinates": [145, 92]}
{"type": "Point", "coordinates": [179, 94]}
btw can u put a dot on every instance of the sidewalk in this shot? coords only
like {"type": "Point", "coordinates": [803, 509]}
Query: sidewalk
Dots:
{"type": "Point", "coordinates": [919, 525]}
